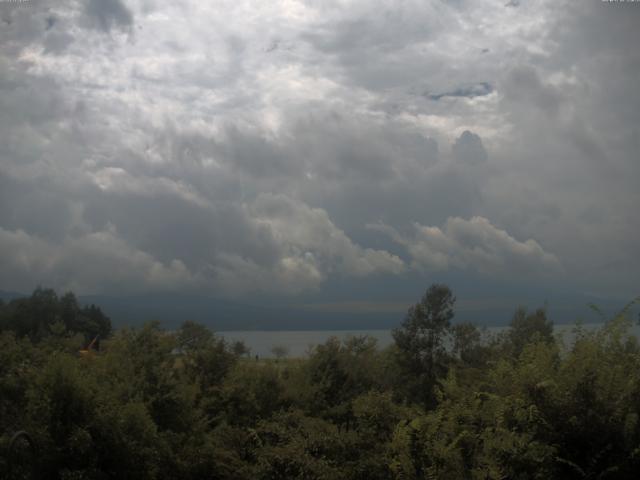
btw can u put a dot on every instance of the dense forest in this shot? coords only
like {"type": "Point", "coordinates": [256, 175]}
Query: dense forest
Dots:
{"type": "Point", "coordinates": [446, 400]}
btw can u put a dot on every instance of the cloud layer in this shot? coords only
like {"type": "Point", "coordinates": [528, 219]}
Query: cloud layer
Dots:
{"type": "Point", "coordinates": [234, 147]}
{"type": "Point", "coordinates": [473, 244]}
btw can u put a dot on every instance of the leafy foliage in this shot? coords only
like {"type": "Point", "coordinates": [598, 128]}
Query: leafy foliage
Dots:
{"type": "Point", "coordinates": [446, 401]}
{"type": "Point", "coordinates": [44, 314]}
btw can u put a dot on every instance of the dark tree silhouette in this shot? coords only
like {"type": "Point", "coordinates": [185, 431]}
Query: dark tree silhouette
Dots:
{"type": "Point", "coordinates": [421, 341]}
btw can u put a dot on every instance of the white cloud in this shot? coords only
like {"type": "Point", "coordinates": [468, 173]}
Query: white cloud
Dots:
{"type": "Point", "coordinates": [304, 231]}
{"type": "Point", "coordinates": [310, 249]}
{"type": "Point", "coordinates": [118, 181]}
{"type": "Point", "coordinates": [91, 263]}
{"type": "Point", "coordinates": [236, 275]}
{"type": "Point", "coordinates": [473, 244]}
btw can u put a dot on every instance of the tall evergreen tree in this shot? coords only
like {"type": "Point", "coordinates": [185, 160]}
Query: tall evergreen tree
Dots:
{"type": "Point", "coordinates": [421, 342]}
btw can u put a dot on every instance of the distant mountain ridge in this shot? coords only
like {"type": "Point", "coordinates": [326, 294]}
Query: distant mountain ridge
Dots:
{"type": "Point", "coordinates": [219, 314]}
{"type": "Point", "coordinates": [224, 315]}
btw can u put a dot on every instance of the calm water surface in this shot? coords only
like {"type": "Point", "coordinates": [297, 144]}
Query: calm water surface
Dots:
{"type": "Point", "coordinates": [299, 343]}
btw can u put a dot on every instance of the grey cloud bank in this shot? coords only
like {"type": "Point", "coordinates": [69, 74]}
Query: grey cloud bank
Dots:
{"type": "Point", "coordinates": [274, 148]}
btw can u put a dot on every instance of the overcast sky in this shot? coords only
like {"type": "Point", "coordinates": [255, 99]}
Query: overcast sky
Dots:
{"type": "Point", "coordinates": [281, 148]}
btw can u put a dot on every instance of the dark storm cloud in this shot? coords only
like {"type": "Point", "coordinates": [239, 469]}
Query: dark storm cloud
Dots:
{"type": "Point", "coordinates": [189, 158]}
{"type": "Point", "coordinates": [523, 85]}
{"type": "Point", "coordinates": [172, 223]}
{"type": "Point", "coordinates": [32, 205]}
{"type": "Point", "coordinates": [57, 42]}
{"type": "Point", "coordinates": [106, 14]}
{"type": "Point", "coordinates": [468, 148]}
{"type": "Point", "coordinates": [254, 155]}
{"type": "Point", "coordinates": [369, 44]}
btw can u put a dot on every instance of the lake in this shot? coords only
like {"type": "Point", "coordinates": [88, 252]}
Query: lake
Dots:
{"type": "Point", "coordinates": [298, 343]}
